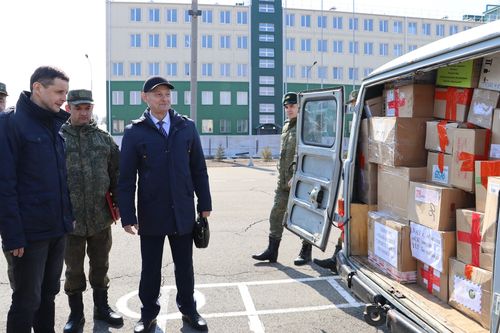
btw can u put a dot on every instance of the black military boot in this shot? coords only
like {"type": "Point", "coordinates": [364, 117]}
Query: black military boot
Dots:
{"type": "Point", "coordinates": [330, 263]}
{"type": "Point", "coordinates": [103, 311]}
{"type": "Point", "coordinates": [304, 255]}
{"type": "Point", "coordinates": [271, 253]}
{"type": "Point", "coordinates": [76, 319]}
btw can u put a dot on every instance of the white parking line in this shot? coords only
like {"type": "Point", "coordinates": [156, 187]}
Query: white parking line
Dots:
{"type": "Point", "coordinates": [342, 291]}
{"type": "Point", "coordinates": [253, 318]}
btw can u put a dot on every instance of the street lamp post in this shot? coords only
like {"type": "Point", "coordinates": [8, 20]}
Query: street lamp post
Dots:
{"type": "Point", "coordinates": [309, 72]}
{"type": "Point", "coordinates": [90, 67]}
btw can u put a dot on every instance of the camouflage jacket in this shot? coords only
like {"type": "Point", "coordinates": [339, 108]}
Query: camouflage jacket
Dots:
{"type": "Point", "coordinates": [287, 153]}
{"type": "Point", "coordinates": [92, 160]}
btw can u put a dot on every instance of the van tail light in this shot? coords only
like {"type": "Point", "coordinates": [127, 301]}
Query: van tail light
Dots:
{"type": "Point", "coordinates": [341, 208]}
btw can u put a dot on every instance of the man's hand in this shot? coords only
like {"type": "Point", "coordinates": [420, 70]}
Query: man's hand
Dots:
{"type": "Point", "coordinates": [130, 228]}
{"type": "Point", "coordinates": [205, 214]}
{"type": "Point", "coordinates": [18, 252]}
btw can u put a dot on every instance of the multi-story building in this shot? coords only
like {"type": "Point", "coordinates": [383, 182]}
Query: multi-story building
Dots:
{"type": "Point", "coordinates": [248, 56]}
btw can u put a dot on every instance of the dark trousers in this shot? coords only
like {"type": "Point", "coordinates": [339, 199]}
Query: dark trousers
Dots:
{"type": "Point", "coordinates": [98, 247]}
{"type": "Point", "coordinates": [36, 282]}
{"type": "Point", "coordinates": [149, 287]}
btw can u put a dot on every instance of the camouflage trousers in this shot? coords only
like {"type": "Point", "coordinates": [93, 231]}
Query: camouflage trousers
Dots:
{"type": "Point", "coordinates": [277, 213]}
{"type": "Point", "coordinates": [98, 247]}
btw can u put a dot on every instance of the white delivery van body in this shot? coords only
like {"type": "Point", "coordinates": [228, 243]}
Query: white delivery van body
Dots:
{"type": "Point", "coordinates": [323, 186]}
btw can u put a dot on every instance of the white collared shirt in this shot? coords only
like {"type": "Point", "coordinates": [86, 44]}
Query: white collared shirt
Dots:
{"type": "Point", "coordinates": [166, 121]}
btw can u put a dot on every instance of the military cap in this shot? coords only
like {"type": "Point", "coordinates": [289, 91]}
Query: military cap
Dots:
{"type": "Point", "coordinates": [80, 96]}
{"type": "Point", "coordinates": [154, 82]}
{"type": "Point", "coordinates": [290, 98]}
{"type": "Point", "coordinates": [3, 89]}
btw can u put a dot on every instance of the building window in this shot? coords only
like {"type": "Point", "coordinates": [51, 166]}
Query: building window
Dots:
{"type": "Point", "coordinates": [118, 68]}
{"type": "Point", "coordinates": [353, 74]}
{"type": "Point", "coordinates": [225, 126]}
{"type": "Point", "coordinates": [154, 15]}
{"type": "Point", "coordinates": [367, 71]}
{"type": "Point", "coordinates": [266, 108]}
{"type": "Point", "coordinates": [353, 23]}
{"type": "Point", "coordinates": [225, 42]}
{"type": "Point", "coordinates": [242, 98]}
{"type": "Point", "coordinates": [266, 119]}
{"type": "Point", "coordinates": [323, 72]}
{"type": "Point", "coordinates": [117, 97]}
{"type": "Point", "coordinates": [242, 126]}
{"type": "Point", "coordinates": [225, 17]}
{"type": "Point", "coordinates": [337, 22]}
{"type": "Point", "coordinates": [207, 126]}
{"type": "Point", "coordinates": [305, 21]}
{"type": "Point", "coordinates": [266, 63]}
{"type": "Point", "coordinates": [305, 45]}
{"type": "Point", "coordinates": [135, 98]}
{"type": "Point", "coordinates": [368, 48]}
{"type": "Point", "coordinates": [290, 71]}
{"type": "Point", "coordinates": [290, 20]}
{"type": "Point", "coordinates": [135, 69]}
{"type": "Point", "coordinates": [242, 42]}
{"type": "Point", "coordinates": [322, 22]}
{"type": "Point", "coordinates": [135, 40]}
{"type": "Point", "coordinates": [171, 69]}
{"type": "Point", "coordinates": [266, 38]}
{"type": "Point", "coordinates": [173, 97]}
{"type": "Point", "coordinates": [171, 41]}
{"type": "Point", "coordinates": [266, 91]}
{"type": "Point", "coordinates": [242, 70]}
{"type": "Point", "coordinates": [206, 16]}
{"type": "Point", "coordinates": [242, 17]}
{"type": "Point", "coordinates": [305, 72]}
{"type": "Point", "coordinates": [337, 73]}
{"type": "Point", "coordinates": [453, 29]}
{"type": "Point", "coordinates": [206, 41]}
{"type": "Point", "coordinates": [412, 28]}
{"type": "Point", "coordinates": [412, 48]}
{"type": "Point", "coordinates": [440, 30]}
{"type": "Point", "coordinates": [266, 27]}
{"type": "Point", "coordinates": [384, 49]}
{"type": "Point", "coordinates": [322, 45]}
{"type": "Point", "coordinates": [187, 41]}
{"type": "Point", "coordinates": [368, 24]}
{"type": "Point", "coordinates": [426, 29]}
{"type": "Point", "coordinates": [154, 68]}
{"type": "Point", "coordinates": [187, 69]}
{"type": "Point", "coordinates": [353, 47]}
{"type": "Point", "coordinates": [207, 97]}
{"type": "Point", "coordinates": [172, 15]}
{"type": "Point", "coordinates": [187, 97]}
{"type": "Point", "coordinates": [398, 50]}
{"type": "Point", "coordinates": [206, 70]}
{"type": "Point", "coordinates": [135, 14]}
{"type": "Point", "coordinates": [118, 125]}
{"type": "Point", "coordinates": [290, 44]}
{"type": "Point", "coordinates": [154, 40]}
{"type": "Point", "coordinates": [398, 27]}
{"type": "Point", "coordinates": [383, 26]}
{"type": "Point", "coordinates": [264, 79]}
{"type": "Point", "coordinates": [187, 17]}
{"type": "Point", "coordinates": [225, 97]}
{"type": "Point", "coordinates": [266, 52]}
{"type": "Point", "coordinates": [266, 8]}
{"type": "Point", "coordinates": [338, 46]}
{"type": "Point", "coordinates": [225, 70]}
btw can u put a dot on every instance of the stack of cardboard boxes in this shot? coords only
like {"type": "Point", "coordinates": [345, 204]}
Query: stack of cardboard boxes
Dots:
{"type": "Point", "coordinates": [437, 152]}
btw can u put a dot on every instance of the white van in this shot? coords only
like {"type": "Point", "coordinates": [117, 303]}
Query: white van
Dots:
{"type": "Point", "coordinates": [323, 186]}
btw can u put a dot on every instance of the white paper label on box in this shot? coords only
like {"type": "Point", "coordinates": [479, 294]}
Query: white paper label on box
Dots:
{"type": "Point", "coordinates": [385, 244]}
{"type": "Point", "coordinates": [493, 188]}
{"type": "Point", "coordinates": [482, 109]}
{"type": "Point", "coordinates": [438, 176]}
{"type": "Point", "coordinates": [495, 150]}
{"type": "Point", "coordinates": [427, 246]}
{"type": "Point", "coordinates": [427, 195]}
{"type": "Point", "coordinates": [467, 293]}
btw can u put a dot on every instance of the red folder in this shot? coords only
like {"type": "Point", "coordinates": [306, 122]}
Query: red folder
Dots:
{"type": "Point", "coordinates": [115, 213]}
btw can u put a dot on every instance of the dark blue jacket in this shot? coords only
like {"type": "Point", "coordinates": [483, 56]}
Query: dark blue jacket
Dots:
{"type": "Point", "coordinates": [170, 172]}
{"type": "Point", "coordinates": [34, 197]}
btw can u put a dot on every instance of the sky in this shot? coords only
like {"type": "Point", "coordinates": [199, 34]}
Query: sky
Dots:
{"type": "Point", "coordinates": [62, 32]}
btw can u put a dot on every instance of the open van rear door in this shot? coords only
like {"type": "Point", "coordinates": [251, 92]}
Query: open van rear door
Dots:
{"type": "Point", "coordinates": [319, 149]}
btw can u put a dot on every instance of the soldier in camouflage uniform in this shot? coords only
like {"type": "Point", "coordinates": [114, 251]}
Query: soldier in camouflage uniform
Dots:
{"type": "Point", "coordinates": [3, 96]}
{"type": "Point", "coordinates": [92, 159]}
{"type": "Point", "coordinates": [285, 173]}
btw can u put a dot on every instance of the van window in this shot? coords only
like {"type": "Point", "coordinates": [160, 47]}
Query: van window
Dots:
{"type": "Point", "coordinates": [320, 118]}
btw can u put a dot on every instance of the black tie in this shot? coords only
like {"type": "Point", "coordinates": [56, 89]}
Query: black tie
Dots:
{"type": "Point", "coordinates": [160, 127]}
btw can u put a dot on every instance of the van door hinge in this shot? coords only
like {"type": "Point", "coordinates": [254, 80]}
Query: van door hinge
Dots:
{"type": "Point", "coordinates": [349, 279]}
{"type": "Point", "coordinates": [396, 293]}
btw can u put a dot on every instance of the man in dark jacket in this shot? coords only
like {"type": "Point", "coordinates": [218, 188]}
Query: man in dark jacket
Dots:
{"type": "Point", "coordinates": [164, 150]}
{"type": "Point", "coordinates": [35, 209]}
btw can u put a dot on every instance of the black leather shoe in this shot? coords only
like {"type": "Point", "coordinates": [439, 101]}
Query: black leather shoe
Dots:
{"type": "Point", "coordinates": [329, 263]}
{"type": "Point", "coordinates": [144, 326]}
{"type": "Point", "coordinates": [196, 321]}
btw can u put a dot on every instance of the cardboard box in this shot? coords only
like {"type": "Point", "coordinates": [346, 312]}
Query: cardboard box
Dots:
{"type": "Point", "coordinates": [470, 291]}
{"type": "Point", "coordinates": [394, 183]}
{"type": "Point", "coordinates": [469, 145]}
{"type": "Point", "coordinates": [389, 247]}
{"type": "Point", "coordinates": [490, 73]}
{"type": "Point", "coordinates": [483, 170]}
{"type": "Point", "coordinates": [367, 172]}
{"type": "Point", "coordinates": [439, 168]}
{"type": "Point", "coordinates": [374, 107]}
{"type": "Point", "coordinates": [462, 75]}
{"type": "Point", "coordinates": [397, 141]}
{"type": "Point", "coordinates": [470, 226]}
{"type": "Point", "coordinates": [489, 227]}
{"type": "Point", "coordinates": [358, 228]}
{"type": "Point", "coordinates": [482, 106]}
{"type": "Point", "coordinates": [410, 101]}
{"type": "Point", "coordinates": [432, 247]}
{"type": "Point", "coordinates": [452, 103]}
{"type": "Point", "coordinates": [432, 280]}
{"type": "Point", "coordinates": [434, 205]}
{"type": "Point", "coordinates": [495, 136]}
{"type": "Point", "coordinates": [439, 136]}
